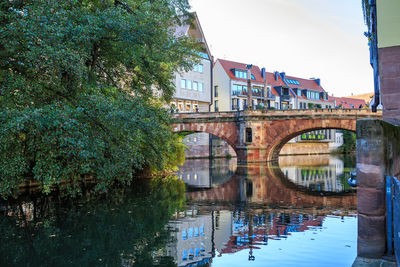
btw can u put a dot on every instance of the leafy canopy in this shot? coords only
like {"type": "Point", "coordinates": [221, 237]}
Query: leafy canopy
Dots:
{"type": "Point", "coordinates": [82, 85]}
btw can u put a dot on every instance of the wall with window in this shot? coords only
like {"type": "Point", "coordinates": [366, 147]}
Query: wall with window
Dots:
{"type": "Point", "coordinates": [222, 81]}
{"type": "Point", "coordinates": [194, 84]}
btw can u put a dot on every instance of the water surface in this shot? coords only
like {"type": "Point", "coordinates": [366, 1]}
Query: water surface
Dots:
{"type": "Point", "coordinates": [299, 213]}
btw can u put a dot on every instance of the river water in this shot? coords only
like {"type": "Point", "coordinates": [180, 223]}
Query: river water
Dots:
{"type": "Point", "coordinates": [300, 213]}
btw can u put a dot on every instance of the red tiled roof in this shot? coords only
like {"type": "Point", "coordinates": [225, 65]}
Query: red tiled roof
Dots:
{"type": "Point", "coordinates": [305, 84]}
{"type": "Point", "coordinates": [271, 79]}
{"type": "Point", "coordinates": [346, 102]}
{"type": "Point", "coordinates": [229, 65]}
{"type": "Point", "coordinates": [274, 92]}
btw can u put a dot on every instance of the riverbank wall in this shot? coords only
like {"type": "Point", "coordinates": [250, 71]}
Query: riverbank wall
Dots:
{"type": "Point", "coordinates": [306, 148]}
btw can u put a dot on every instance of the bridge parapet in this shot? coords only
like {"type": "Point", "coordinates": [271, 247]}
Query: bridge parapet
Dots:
{"type": "Point", "coordinates": [273, 114]}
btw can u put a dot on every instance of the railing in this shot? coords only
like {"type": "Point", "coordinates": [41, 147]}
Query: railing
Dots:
{"type": "Point", "coordinates": [271, 96]}
{"type": "Point", "coordinates": [286, 97]}
{"type": "Point", "coordinates": [393, 216]}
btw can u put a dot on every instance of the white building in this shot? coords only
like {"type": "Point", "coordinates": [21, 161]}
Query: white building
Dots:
{"type": "Point", "coordinates": [193, 88]}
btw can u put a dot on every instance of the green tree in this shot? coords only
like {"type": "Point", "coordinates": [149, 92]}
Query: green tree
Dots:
{"type": "Point", "coordinates": [79, 80]}
{"type": "Point", "coordinates": [349, 142]}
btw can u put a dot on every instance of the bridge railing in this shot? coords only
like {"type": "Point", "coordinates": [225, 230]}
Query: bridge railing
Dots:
{"type": "Point", "coordinates": [276, 112]}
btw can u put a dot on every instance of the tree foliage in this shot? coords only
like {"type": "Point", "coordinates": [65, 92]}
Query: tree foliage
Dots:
{"type": "Point", "coordinates": [82, 87]}
{"type": "Point", "coordinates": [349, 142]}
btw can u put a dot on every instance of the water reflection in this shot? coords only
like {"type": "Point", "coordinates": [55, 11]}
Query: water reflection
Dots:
{"type": "Point", "coordinates": [313, 182]}
{"type": "Point", "coordinates": [323, 173]}
{"type": "Point", "coordinates": [233, 216]}
{"type": "Point", "coordinates": [125, 227]}
{"type": "Point", "coordinates": [216, 235]}
{"type": "Point", "coordinates": [207, 173]}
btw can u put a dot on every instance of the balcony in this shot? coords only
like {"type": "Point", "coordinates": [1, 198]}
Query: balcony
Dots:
{"type": "Point", "coordinates": [286, 98]}
{"type": "Point", "coordinates": [271, 96]}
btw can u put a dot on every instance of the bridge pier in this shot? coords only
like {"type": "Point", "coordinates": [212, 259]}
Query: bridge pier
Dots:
{"type": "Point", "coordinates": [250, 154]}
{"type": "Point", "coordinates": [378, 154]}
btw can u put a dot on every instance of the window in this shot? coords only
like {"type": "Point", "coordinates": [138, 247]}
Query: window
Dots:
{"type": "Point", "coordinates": [216, 105]}
{"type": "Point", "coordinates": [276, 105]}
{"type": "Point", "coordinates": [189, 85]}
{"type": "Point", "coordinates": [239, 89]}
{"type": "Point", "coordinates": [249, 135]}
{"type": "Point", "coordinates": [196, 67]}
{"type": "Point", "coordinates": [190, 233]}
{"type": "Point", "coordinates": [201, 230]}
{"type": "Point", "coordinates": [216, 91]}
{"type": "Point", "coordinates": [195, 85]}
{"type": "Point", "coordinates": [200, 67]}
{"type": "Point", "coordinates": [196, 232]}
{"type": "Point", "coordinates": [184, 235]}
{"type": "Point", "coordinates": [191, 253]}
{"type": "Point", "coordinates": [184, 255]}
{"type": "Point", "coordinates": [187, 107]}
{"type": "Point", "coordinates": [183, 83]}
{"type": "Point", "coordinates": [241, 74]}
{"type": "Point", "coordinates": [235, 103]}
{"type": "Point", "coordinates": [200, 87]}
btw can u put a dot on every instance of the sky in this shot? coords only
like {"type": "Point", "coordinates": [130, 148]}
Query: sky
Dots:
{"type": "Point", "coordinates": [304, 38]}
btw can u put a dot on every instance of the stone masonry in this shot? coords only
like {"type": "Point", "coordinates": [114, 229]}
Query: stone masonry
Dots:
{"type": "Point", "coordinates": [378, 154]}
{"type": "Point", "coordinates": [268, 131]}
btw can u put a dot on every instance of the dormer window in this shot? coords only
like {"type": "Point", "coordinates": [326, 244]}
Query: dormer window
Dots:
{"type": "Point", "coordinates": [312, 95]}
{"type": "Point", "coordinates": [291, 81]}
{"type": "Point", "coordinates": [241, 74]}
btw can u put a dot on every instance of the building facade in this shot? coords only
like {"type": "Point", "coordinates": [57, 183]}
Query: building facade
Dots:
{"type": "Point", "coordinates": [269, 90]}
{"type": "Point", "coordinates": [231, 87]}
{"type": "Point", "coordinates": [193, 88]}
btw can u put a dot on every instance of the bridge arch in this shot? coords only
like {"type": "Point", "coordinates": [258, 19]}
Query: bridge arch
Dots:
{"type": "Point", "coordinates": [291, 129]}
{"type": "Point", "coordinates": [226, 131]}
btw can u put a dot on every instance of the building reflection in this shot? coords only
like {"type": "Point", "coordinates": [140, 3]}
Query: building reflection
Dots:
{"type": "Point", "coordinates": [191, 239]}
{"type": "Point", "coordinates": [316, 172]}
{"type": "Point", "coordinates": [211, 231]}
{"type": "Point", "coordinates": [206, 173]}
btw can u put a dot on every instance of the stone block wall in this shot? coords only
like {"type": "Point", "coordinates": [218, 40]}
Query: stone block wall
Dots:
{"type": "Point", "coordinates": [305, 148]}
{"type": "Point", "coordinates": [389, 72]}
{"type": "Point", "coordinates": [378, 154]}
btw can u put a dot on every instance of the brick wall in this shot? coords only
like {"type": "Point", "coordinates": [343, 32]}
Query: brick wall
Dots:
{"type": "Point", "coordinates": [389, 72]}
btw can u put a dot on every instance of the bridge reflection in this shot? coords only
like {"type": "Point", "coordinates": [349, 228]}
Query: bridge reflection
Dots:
{"type": "Point", "coordinates": [315, 181]}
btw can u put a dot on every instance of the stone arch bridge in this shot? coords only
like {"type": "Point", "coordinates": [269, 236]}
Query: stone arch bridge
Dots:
{"type": "Point", "coordinates": [258, 136]}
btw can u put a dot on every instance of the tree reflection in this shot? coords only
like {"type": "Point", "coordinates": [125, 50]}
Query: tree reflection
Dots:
{"type": "Point", "coordinates": [125, 227]}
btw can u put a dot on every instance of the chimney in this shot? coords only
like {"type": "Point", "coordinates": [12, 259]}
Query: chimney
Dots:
{"type": "Point", "coordinates": [283, 75]}
{"type": "Point", "coordinates": [263, 73]}
{"type": "Point", "coordinates": [276, 75]}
